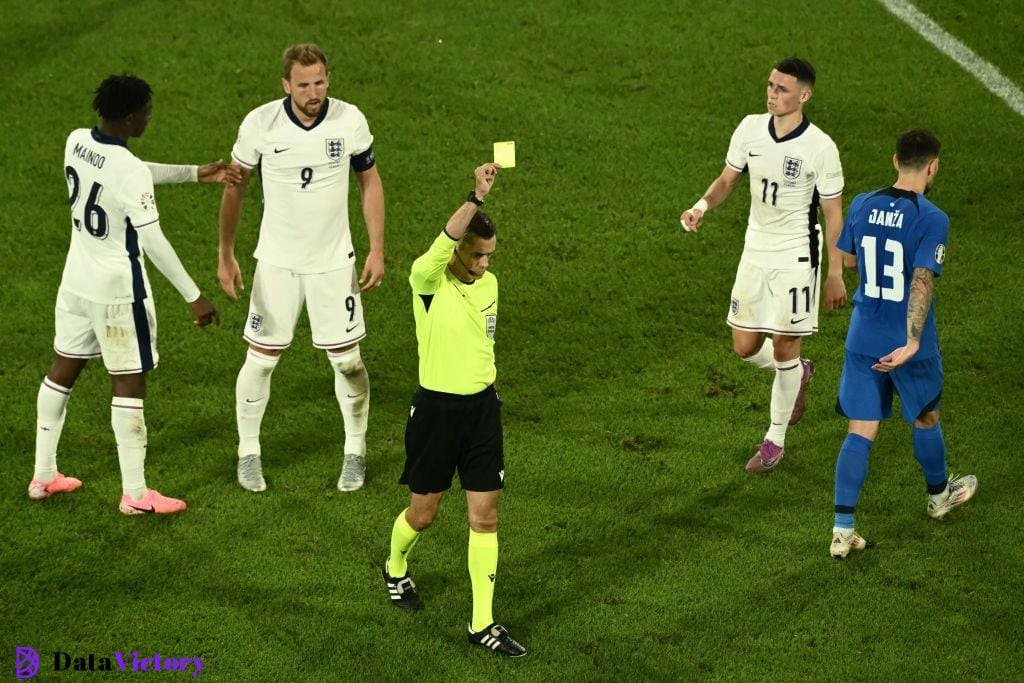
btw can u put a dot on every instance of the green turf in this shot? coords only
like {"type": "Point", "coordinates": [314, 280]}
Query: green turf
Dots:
{"type": "Point", "coordinates": [633, 545]}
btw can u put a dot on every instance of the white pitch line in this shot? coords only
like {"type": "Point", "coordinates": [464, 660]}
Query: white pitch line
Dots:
{"type": "Point", "coordinates": [998, 84]}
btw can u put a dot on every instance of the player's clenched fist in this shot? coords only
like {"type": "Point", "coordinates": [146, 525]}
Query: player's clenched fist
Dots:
{"type": "Point", "coordinates": [692, 217]}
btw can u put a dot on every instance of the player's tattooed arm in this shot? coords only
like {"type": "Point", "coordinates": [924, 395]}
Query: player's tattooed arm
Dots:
{"type": "Point", "coordinates": [922, 287]}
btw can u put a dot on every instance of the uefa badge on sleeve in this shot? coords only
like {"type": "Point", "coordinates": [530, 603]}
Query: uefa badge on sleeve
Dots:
{"type": "Point", "coordinates": [147, 201]}
{"type": "Point", "coordinates": [940, 254]}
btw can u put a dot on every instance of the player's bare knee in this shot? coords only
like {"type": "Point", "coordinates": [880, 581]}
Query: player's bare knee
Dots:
{"type": "Point", "coordinates": [483, 521]}
{"type": "Point", "coordinates": [64, 371]}
{"type": "Point", "coordinates": [420, 518]}
{"type": "Point", "coordinates": [785, 348]}
{"type": "Point", "coordinates": [129, 386]}
{"type": "Point", "coordinates": [744, 349]}
{"type": "Point", "coordinates": [347, 361]}
{"type": "Point", "coordinates": [927, 420]}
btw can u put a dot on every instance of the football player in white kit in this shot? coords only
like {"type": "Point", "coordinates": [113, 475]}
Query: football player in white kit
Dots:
{"type": "Point", "coordinates": [303, 146]}
{"type": "Point", "coordinates": [105, 303]}
{"type": "Point", "coordinates": [794, 168]}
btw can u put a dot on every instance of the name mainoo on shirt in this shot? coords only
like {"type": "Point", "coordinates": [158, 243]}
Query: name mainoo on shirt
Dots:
{"type": "Point", "coordinates": [89, 156]}
{"type": "Point", "coordinates": [888, 219]}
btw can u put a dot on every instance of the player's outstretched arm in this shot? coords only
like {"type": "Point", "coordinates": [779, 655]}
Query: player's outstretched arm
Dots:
{"type": "Point", "coordinates": [457, 224]}
{"type": "Point", "coordinates": [163, 256]}
{"type": "Point", "coordinates": [715, 195]}
{"type": "Point", "coordinates": [922, 288]}
{"type": "Point", "coordinates": [215, 172]}
{"type": "Point", "coordinates": [835, 288]}
{"type": "Point", "coordinates": [228, 273]}
{"type": "Point", "coordinates": [219, 172]}
{"type": "Point", "coordinates": [371, 190]}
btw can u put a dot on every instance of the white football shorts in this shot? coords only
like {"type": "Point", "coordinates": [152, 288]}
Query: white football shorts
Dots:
{"type": "Point", "coordinates": [123, 334]}
{"type": "Point", "coordinates": [332, 303]}
{"type": "Point", "coordinates": [775, 301]}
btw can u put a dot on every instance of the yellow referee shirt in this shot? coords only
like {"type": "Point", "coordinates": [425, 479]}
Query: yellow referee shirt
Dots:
{"type": "Point", "coordinates": [455, 323]}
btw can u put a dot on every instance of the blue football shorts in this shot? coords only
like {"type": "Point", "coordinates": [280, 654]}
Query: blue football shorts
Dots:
{"type": "Point", "coordinates": [866, 394]}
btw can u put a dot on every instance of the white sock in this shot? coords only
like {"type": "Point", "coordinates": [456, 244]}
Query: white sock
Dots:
{"type": "Point", "coordinates": [352, 388]}
{"type": "Point", "coordinates": [130, 433]}
{"type": "Point", "coordinates": [843, 531]}
{"type": "Point", "coordinates": [51, 406]}
{"type": "Point", "coordinates": [788, 374]}
{"type": "Point", "coordinates": [252, 392]}
{"type": "Point", "coordinates": [935, 498]}
{"type": "Point", "coordinates": [765, 357]}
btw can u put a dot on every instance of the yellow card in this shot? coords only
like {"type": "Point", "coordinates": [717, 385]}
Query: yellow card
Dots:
{"type": "Point", "coordinates": [505, 154]}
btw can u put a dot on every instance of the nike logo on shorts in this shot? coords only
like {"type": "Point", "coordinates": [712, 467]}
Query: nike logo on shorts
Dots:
{"type": "Point", "coordinates": [797, 322]}
{"type": "Point", "coordinates": [278, 151]}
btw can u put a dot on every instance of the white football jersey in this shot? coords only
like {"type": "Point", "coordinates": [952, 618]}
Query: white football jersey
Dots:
{"type": "Point", "coordinates": [787, 178]}
{"type": "Point", "coordinates": [305, 173]}
{"type": "Point", "coordinates": [111, 194]}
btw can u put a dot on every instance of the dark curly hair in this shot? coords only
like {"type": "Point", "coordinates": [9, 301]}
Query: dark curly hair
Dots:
{"type": "Point", "coordinates": [119, 96]}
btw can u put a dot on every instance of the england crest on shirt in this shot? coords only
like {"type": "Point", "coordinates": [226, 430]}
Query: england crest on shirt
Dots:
{"type": "Point", "coordinates": [335, 148]}
{"type": "Point", "coordinates": [791, 167]}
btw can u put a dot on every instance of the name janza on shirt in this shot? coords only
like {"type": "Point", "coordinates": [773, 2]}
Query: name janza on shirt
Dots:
{"type": "Point", "coordinates": [888, 219]}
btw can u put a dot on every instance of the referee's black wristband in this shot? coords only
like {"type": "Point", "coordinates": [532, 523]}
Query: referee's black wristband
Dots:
{"type": "Point", "coordinates": [472, 198]}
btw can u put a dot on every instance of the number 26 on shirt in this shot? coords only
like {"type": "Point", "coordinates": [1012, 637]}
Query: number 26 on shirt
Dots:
{"type": "Point", "coordinates": [891, 268]}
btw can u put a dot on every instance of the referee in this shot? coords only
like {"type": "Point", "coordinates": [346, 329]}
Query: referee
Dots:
{"type": "Point", "coordinates": [455, 418]}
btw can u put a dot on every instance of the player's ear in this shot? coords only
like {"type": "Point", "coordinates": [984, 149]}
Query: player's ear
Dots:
{"type": "Point", "coordinates": [286, 86]}
{"type": "Point", "coordinates": [896, 163]}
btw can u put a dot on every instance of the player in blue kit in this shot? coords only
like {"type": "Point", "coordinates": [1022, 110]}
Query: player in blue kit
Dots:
{"type": "Point", "coordinates": [899, 240]}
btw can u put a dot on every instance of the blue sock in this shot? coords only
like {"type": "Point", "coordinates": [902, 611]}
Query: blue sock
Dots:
{"type": "Point", "coordinates": [851, 471]}
{"type": "Point", "coordinates": [930, 451]}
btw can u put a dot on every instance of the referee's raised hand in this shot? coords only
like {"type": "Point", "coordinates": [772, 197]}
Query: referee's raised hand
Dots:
{"type": "Point", "coordinates": [485, 175]}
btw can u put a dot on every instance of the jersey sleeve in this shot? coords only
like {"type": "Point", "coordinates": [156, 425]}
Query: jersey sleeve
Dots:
{"type": "Point", "coordinates": [931, 250]}
{"type": "Point", "coordinates": [736, 157]}
{"type": "Point", "coordinates": [829, 172]}
{"type": "Point", "coordinates": [428, 270]}
{"type": "Point", "coordinates": [136, 194]}
{"type": "Point", "coordinates": [246, 150]}
{"type": "Point", "coordinates": [361, 137]}
{"type": "Point", "coordinates": [845, 242]}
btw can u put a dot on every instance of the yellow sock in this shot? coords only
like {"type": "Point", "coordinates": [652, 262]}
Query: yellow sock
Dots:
{"type": "Point", "coordinates": [403, 538]}
{"type": "Point", "coordinates": [483, 564]}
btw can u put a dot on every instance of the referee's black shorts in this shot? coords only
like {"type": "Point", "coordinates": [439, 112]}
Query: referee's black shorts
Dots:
{"type": "Point", "coordinates": [446, 432]}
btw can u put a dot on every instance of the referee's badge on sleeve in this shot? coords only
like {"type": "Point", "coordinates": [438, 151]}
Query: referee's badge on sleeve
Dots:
{"type": "Point", "coordinates": [491, 322]}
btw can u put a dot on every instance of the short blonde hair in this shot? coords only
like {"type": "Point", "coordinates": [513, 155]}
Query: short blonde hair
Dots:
{"type": "Point", "coordinates": [305, 54]}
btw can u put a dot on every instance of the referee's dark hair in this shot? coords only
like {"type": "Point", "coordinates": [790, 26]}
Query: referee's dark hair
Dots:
{"type": "Point", "coordinates": [119, 96]}
{"type": "Point", "coordinates": [800, 69]}
{"type": "Point", "coordinates": [916, 147]}
{"type": "Point", "coordinates": [482, 226]}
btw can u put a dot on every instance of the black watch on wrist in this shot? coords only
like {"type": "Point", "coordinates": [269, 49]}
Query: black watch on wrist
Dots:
{"type": "Point", "coordinates": [473, 198]}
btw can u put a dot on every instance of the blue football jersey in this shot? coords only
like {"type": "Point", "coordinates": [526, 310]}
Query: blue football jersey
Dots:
{"type": "Point", "coordinates": [892, 232]}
